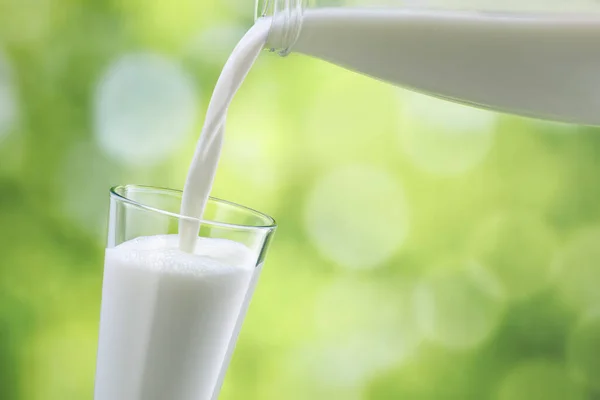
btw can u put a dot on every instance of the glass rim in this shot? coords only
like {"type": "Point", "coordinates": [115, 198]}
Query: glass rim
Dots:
{"type": "Point", "coordinates": [272, 224]}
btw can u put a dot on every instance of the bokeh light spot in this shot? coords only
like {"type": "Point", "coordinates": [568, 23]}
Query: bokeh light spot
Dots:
{"type": "Point", "coordinates": [539, 380]}
{"type": "Point", "coordinates": [361, 330]}
{"type": "Point", "coordinates": [357, 216]}
{"type": "Point", "coordinates": [578, 276]}
{"type": "Point", "coordinates": [8, 98]}
{"type": "Point", "coordinates": [345, 364]}
{"type": "Point", "coordinates": [444, 138]}
{"type": "Point", "coordinates": [85, 177]}
{"type": "Point", "coordinates": [145, 106]}
{"type": "Point", "coordinates": [584, 351]}
{"type": "Point", "coordinates": [519, 248]}
{"type": "Point", "coordinates": [303, 375]}
{"type": "Point", "coordinates": [456, 310]}
{"type": "Point", "coordinates": [371, 322]}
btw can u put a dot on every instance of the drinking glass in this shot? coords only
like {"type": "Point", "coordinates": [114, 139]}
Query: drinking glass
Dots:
{"type": "Point", "coordinates": [148, 348]}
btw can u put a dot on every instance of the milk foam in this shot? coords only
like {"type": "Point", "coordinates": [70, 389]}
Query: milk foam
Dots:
{"type": "Point", "coordinates": [161, 253]}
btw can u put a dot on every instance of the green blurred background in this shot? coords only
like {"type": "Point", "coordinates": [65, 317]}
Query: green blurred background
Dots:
{"type": "Point", "coordinates": [425, 250]}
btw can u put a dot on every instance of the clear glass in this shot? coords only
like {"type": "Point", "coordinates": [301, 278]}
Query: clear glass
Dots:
{"type": "Point", "coordinates": [169, 332]}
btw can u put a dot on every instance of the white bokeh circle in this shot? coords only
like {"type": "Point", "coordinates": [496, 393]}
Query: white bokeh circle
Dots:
{"type": "Point", "coordinates": [457, 308]}
{"type": "Point", "coordinates": [357, 216]}
{"type": "Point", "coordinates": [303, 372]}
{"type": "Point", "coordinates": [85, 177]}
{"type": "Point", "coordinates": [441, 137]}
{"type": "Point", "coordinates": [145, 106]}
{"type": "Point", "coordinates": [362, 329]}
{"type": "Point", "coordinates": [8, 98]}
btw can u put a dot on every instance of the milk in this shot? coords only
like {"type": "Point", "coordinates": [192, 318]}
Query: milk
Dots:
{"type": "Point", "coordinates": [544, 66]}
{"type": "Point", "coordinates": [206, 157]}
{"type": "Point", "coordinates": [169, 318]}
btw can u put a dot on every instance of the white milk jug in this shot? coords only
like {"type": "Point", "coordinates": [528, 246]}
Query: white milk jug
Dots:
{"type": "Point", "coordinates": [541, 61]}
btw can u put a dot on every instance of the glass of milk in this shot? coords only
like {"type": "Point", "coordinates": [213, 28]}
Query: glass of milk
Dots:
{"type": "Point", "coordinates": [170, 319]}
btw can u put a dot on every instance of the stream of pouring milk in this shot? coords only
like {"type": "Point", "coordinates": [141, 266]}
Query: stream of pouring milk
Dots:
{"type": "Point", "coordinates": [206, 158]}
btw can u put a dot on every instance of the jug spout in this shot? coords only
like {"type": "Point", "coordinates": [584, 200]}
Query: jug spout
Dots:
{"type": "Point", "coordinates": [286, 22]}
